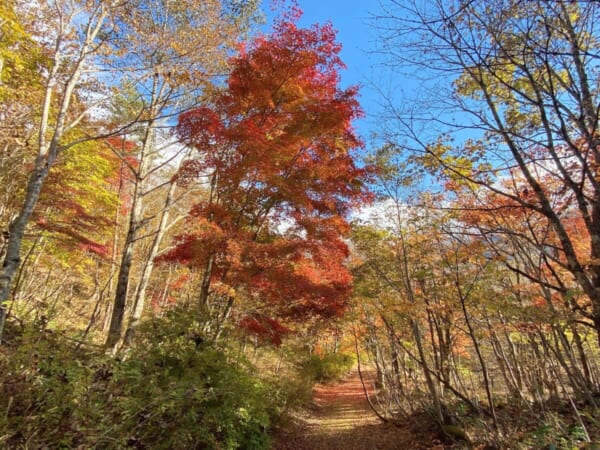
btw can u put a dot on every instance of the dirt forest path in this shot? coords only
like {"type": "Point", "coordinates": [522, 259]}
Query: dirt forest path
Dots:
{"type": "Point", "coordinates": [341, 419]}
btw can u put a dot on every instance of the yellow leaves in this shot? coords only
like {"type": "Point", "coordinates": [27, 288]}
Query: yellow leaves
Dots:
{"type": "Point", "coordinates": [177, 47]}
{"type": "Point", "coordinates": [10, 28]}
{"type": "Point", "coordinates": [574, 13]}
{"type": "Point", "coordinates": [459, 168]}
{"type": "Point", "coordinates": [223, 289]}
{"type": "Point", "coordinates": [492, 80]}
{"type": "Point", "coordinates": [456, 166]}
{"type": "Point", "coordinates": [515, 118]}
{"type": "Point", "coordinates": [435, 155]}
{"type": "Point", "coordinates": [466, 86]}
{"type": "Point", "coordinates": [18, 54]}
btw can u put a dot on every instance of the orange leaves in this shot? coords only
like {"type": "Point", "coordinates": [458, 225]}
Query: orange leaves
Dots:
{"type": "Point", "coordinates": [282, 128]}
{"type": "Point", "coordinates": [278, 144]}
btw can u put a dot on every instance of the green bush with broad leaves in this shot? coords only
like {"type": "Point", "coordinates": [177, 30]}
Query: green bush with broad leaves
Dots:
{"type": "Point", "coordinates": [328, 367]}
{"type": "Point", "coordinates": [170, 390]}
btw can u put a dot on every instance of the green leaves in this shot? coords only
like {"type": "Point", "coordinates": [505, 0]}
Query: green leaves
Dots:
{"type": "Point", "coordinates": [168, 393]}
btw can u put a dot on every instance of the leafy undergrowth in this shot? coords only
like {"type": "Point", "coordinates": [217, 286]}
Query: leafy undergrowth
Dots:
{"type": "Point", "coordinates": [172, 390]}
{"type": "Point", "coordinates": [326, 368]}
{"type": "Point", "coordinates": [550, 426]}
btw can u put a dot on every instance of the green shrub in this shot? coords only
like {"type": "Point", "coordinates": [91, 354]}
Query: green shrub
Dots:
{"type": "Point", "coordinates": [329, 367]}
{"type": "Point", "coordinates": [171, 390]}
{"type": "Point", "coordinates": [554, 433]}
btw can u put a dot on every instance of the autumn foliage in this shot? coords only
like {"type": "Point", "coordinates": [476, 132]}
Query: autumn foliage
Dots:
{"type": "Point", "coordinates": [276, 148]}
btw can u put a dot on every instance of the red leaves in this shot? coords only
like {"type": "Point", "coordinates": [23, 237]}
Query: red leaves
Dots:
{"type": "Point", "coordinates": [194, 249]}
{"type": "Point", "coordinates": [265, 328]}
{"type": "Point", "coordinates": [199, 126]}
{"type": "Point", "coordinates": [278, 144]}
{"type": "Point", "coordinates": [300, 277]}
{"type": "Point", "coordinates": [282, 128]}
{"type": "Point", "coordinates": [75, 238]}
{"type": "Point", "coordinates": [93, 247]}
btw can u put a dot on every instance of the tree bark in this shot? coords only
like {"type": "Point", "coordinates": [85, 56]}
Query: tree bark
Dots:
{"type": "Point", "coordinates": [115, 329]}
{"type": "Point", "coordinates": [118, 311]}
{"type": "Point", "coordinates": [140, 297]}
{"type": "Point", "coordinates": [16, 232]}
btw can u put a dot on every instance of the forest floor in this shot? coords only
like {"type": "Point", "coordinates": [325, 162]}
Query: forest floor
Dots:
{"type": "Point", "coordinates": [340, 418]}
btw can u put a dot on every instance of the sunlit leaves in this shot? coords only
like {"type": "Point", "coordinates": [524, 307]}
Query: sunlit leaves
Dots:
{"type": "Point", "coordinates": [278, 145]}
{"type": "Point", "coordinates": [79, 201]}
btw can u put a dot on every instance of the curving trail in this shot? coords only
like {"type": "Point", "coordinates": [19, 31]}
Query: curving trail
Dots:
{"type": "Point", "coordinates": [342, 420]}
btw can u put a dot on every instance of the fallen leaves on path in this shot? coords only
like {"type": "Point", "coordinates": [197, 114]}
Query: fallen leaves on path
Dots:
{"type": "Point", "coordinates": [341, 419]}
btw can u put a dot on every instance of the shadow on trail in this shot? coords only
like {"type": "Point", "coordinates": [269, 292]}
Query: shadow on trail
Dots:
{"type": "Point", "coordinates": [366, 437]}
{"type": "Point", "coordinates": [342, 419]}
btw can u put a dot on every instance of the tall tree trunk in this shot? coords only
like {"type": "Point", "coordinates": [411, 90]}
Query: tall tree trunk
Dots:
{"type": "Point", "coordinates": [16, 230]}
{"type": "Point", "coordinates": [433, 391]}
{"type": "Point", "coordinates": [484, 369]}
{"type": "Point", "coordinates": [222, 320]}
{"type": "Point", "coordinates": [140, 297]}
{"type": "Point", "coordinates": [115, 328]}
{"type": "Point", "coordinates": [118, 311]}
{"type": "Point", "coordinates": [110, 285]}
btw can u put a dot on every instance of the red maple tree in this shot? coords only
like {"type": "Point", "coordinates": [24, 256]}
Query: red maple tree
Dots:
{"type": "Point", "coordinates": [277, 150]}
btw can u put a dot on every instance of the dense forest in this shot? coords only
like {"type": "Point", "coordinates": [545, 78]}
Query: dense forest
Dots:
{"type": "Point", "coordinates": [194, 233]}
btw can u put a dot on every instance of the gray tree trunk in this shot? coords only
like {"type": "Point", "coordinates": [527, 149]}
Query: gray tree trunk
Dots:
{"type": "Point", "coordinates": [115, 328]}
{"type": "Point", "coordinates": [118, 310]}
{"type": "Point", "coordinates": [140, 297]}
